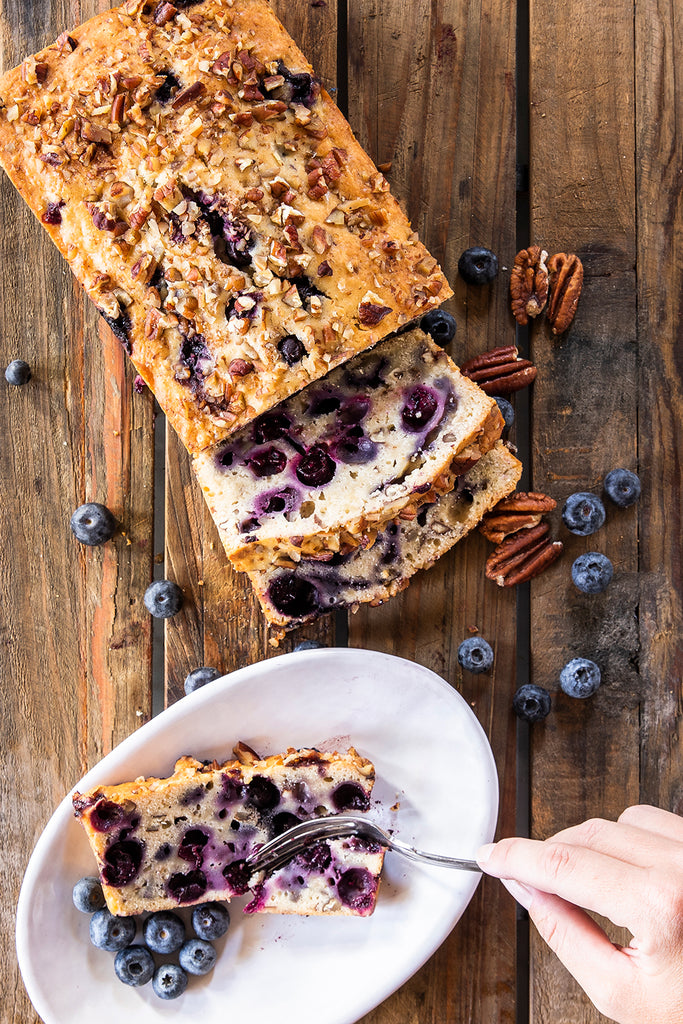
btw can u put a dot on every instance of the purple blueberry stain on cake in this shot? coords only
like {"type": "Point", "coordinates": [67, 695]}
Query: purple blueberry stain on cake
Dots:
{"type": "Point", "coordinates": [107, 815]}
{"type": "Point", "coordinates": [277, 502]}
{"type": "Point", "coordinates": [195, 355]}
{"type": "Point", "coordinates": [271, 426]}
{"type": "Point", "coordinates": [369, 373]}
{"type": "Point", "coordinates": [355, 409]}
{"type": "Point", "coordinates": [191, 847]}
{"type": "Point", "coordinates": [353, 448]}
{"type": "Point", "coordinates": [192, 797]}
{"type": "Point", "coordinates": [316, 857]}
{"type": "Point", "coordinates": [237, 876]}
{"type": "Point", "coordinates": [232, 790]}
{"type": "Point", "coordinates": [122, 862]}
{"type": "Point", "coordinates": [282, 822]}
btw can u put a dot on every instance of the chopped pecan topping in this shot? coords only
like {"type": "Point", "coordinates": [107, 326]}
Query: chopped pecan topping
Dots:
{"type": "Point", "coordinates": [222, 63]}
{"type": "Point", "coordinates": [240, 367]}
{"type": "Point", "coordinates": [94, 133]}
{"type": "Point", "coordinates": [66, 43]}
{"type": "Point", "coordinates": [324, 269]}
{"type": "Point", "coordinates": [522, 556]}
{"type": "Point", "coordinates": [185, 96]}
{"type": "Point", "coordinates": [370, 313]}
{"type": "Point", "coordinates": [529, 284]}
{"type": "Point", "coordinates": [520, 511]}
{"type": "Point", "coordinates": [164, 12]}
{"type": "Point", "coordinates": [118, 108]}
{"type": "Point", "coordinates": [500, 371]}
{"type": "Point", "coordinates": [320, 241]}
{"type": "Point", "coordinates": [566, 281]}
{"type": "Point", "coordinates": [138, 217]}
{"type": "Point", "coordinates": [144, 268]}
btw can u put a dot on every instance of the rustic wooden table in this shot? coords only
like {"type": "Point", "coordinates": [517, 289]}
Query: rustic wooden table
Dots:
{"type": "Point", "coordinates": [503, 124]}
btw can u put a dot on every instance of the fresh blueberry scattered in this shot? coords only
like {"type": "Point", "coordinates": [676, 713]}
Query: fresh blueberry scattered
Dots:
{"type": "Point", "coordinates": [440, 325]}
{"type": "Point", "coordinates": [583, 513]}
{"type": "Point", "coordinates": [93, 524]}
{"type": "Point", "coordinates": [507, 412]}
{"type": "Point", "coordinates": [308, 645]}
{"type": "Point", "coordinates": [622, 487]}
{"type": "Point", "coordinates": [18, 373]}
{"type": "Point", "coordinates": [197, 956]}
{"type": "Point", "coordinates": [580, 678]}
{"type": "Point", "coordinates": [163, 598]}
{"type": "Point", "coordinates": [87, 895]}
{"type": "Point", "coordinates": [169, 981]}
{"type": "Point", "coordinates": [200, 677]}
{"type": "Point", "coordinates": [134, 965]}
{"type": "Point", "coordinates": [210, 921]}
{"type": "Point", "coordinates": [110, 932]}
{"type": "Point", "coordinates": [475, 655]}
{"type": "Point", "coordinates": [532, 703]}
{"type": "Point", "coordinates": [592, 572]}
{"type": "Point", "coordinates": [478, 265]}
{"type": "Point", "coordinates": [163, 932]}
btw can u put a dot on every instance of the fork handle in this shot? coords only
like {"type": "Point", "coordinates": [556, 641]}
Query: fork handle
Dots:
{"type": "Point", "coordinates": [433, 858]}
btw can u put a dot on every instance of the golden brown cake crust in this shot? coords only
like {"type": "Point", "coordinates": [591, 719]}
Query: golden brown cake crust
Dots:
{"type": "Point", "coordinates": [213, 201]}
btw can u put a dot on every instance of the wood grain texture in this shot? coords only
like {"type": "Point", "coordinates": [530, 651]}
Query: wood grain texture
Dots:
{"type": "Point", "coordinates": [75, 637]}
{"type": "Point", "coordinates": [587, 409]}
{"type": "Point", "coordinates": [221, 623]}
{"type": "Point", "coordinates": [431, 91]}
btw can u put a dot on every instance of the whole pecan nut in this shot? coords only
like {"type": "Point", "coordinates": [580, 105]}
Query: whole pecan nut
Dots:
{"type": "Point", "coordinates": [500, 371]}
{"type": "Point", "coordinates": [520, 511]}
{"type": "Point", "coordinates": [522, 556]}
{"type": "Point", "coordinates": [566, 281]}
{"type": "Point", "coordinates": [529, 284]}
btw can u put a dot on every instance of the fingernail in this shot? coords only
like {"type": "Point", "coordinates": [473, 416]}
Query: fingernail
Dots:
{"type": "Point", "coordinates": [484, 852]}
{"type": "Point", "coordinates": [519, 892]}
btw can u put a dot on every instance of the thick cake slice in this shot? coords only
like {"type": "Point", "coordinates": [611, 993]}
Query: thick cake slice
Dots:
{"type": "Point", "coordinates": [322, 472]}
{"type": "Point", "coordinates": [214, 203]}
{"type": "Point", "coordinates": [164, 843]}
{"type": "Point", "coordinates": [290, 597]}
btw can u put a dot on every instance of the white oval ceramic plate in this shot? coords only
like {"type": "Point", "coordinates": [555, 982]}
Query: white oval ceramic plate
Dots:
{"type": "Point", "coordinates": [434, 767]}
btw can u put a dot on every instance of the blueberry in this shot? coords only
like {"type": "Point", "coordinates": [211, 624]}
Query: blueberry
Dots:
{"type": "Point", "coordinates": [270, 427]}
{"type": "Point", "coordinates": [475, 655]}
{"type": "Point", "coordinates": [163, 598]}
{"type": "Point", "coordinates": [267, 462]}
{"type": "Point", "coordinates": [440, 325]}
{"type": "Point", "coordinates": [163, 932]}
{"type": "Point", "coordinates": [583, 513]}
{"type": "Point", "coordinates": [110, 932]}
{"type": "Point", "coordinates": [592, 572]}
{"type": "Point", "coordinates": [197, 956]}
{"type": "Point", "coordinates": [478, 265]}
{"type": "Point", "coordinates": [169, 981]}
{"type": "Point", "coordinates": [294, 596]}
{"type": "Point", "coordinates": [87, 895]}
{"type": "Point", "coordinates": [291, 349]}
{"type": "Point", "coordinates": [349, 796]}
{"type": "Point", "coordinates": [210, 921]}
{"type": "Point", "coordinates": [532, 703]}
{"type": "Point", "coordinates": [308, 645]}
{"type": "Point", "coordinates": [134, 966]}
{"type": "Point", "coordinates": [421, 405]}
{"type": "Point", "coordinates": [93, 524]}
{"type": "Point", "coordinates": [262, 793]}
{"type": "Point", "coordinates": [622, 487]}
{"type": "Point", "coordinates": [122, 862]}
{"type": "Point", "coordinates": [200, 677]}
{"type": "Point", "coordinates": [18, 372]}
{"type": "Point", "coordinates": [356, 888]}
{"type": "Point", "coordinates": [316, 468]}
{"type": "Point", "coordinates": [580, 678]}
{"type": "Point", "coordinates": [507, 412]}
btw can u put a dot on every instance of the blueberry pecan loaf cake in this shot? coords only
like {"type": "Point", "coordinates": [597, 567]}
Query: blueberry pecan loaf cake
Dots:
{"type": "Point", "coordinates": [164, 843]}
{"type": "Point", "coordinates": [300, 592]}
{"type": "Point", "coordinates": [214, 203]}
{"type": "Point", "coordinates": [323, 471]}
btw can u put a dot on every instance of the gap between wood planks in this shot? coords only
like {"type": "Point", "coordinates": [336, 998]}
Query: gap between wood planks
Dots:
{"type": "Point", "coordinates": [523, 439]}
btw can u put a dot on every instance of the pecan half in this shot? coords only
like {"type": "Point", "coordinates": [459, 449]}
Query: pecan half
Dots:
{"type": "Point", "coordinates": [566, 281]}
{"type": "Point", "coordinates": [529, 283]}
{"type": "Point", "coordinates": [192, 92]}
{"type": "Point", "coordinates": [370, 313]}
{"type": "Point", "coordinates": [520, 511]}
{"type": "Point", "coordinates": [522, 556]}
{"type": "Point", "coordinates": [500, 371]}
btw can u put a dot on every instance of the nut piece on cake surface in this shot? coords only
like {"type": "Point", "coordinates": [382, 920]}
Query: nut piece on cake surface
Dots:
{"type": "Point", "coordinates": [522, 556]}
{"type": "Point", "coordinates": [565, 282]}
{"type": "Point", "coordinates": [500, 371]}
{"type": "Point", "coordinates": [520, 511]}
{"type": "Point", "coordinates": [529, 284]}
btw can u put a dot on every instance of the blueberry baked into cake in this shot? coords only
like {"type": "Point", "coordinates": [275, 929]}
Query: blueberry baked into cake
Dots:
{"type": "Point", "coordinates": [213, 202]}
{"type": "Point", "coordinates": [299, 593]}
{"type": "Point", "coordinates": [165, 843]}
{"type": "Point", "coordinates": [324, 471]}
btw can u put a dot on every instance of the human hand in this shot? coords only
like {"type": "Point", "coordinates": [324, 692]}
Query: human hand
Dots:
{"type": "Point", "coordinates": [629, 871]}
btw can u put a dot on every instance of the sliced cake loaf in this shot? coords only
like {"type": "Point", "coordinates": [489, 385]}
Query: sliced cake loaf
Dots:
{"type": "Point", "coordinates": [321, 473]}
{"type": "Point", "coordinates": [213, 202]}
{"type": "Point", "coordinates": [164, 843]}
{"type": "Point", "coordinates": [294, 595]}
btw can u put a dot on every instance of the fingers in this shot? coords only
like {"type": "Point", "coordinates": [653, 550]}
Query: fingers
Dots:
{"type": "Point", "coordinates": [635, 844]}
{"type": "Point", "coordinates": [581, 876]}
{"type": "Point", "coordinates": [655, 820]}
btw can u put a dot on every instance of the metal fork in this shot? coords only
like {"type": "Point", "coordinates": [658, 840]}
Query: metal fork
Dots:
{"type": "Point", "coordinates": [283, 848]}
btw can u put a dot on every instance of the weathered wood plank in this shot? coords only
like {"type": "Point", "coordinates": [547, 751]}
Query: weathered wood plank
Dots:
{"type": "Point", "coordinates": [586, 410]}
{"type": "Point", "coordinates": [221, 623]}
{"type": "Point", "coordinates": [75, 635]}
{"type": "Point", "coordinates": [431, 91]}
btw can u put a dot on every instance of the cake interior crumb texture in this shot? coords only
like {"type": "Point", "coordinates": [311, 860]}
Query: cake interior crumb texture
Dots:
{"type": "Point", "coordinates": [214, 203]}
{"type": "Point", "coordinates": [165, 843]}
